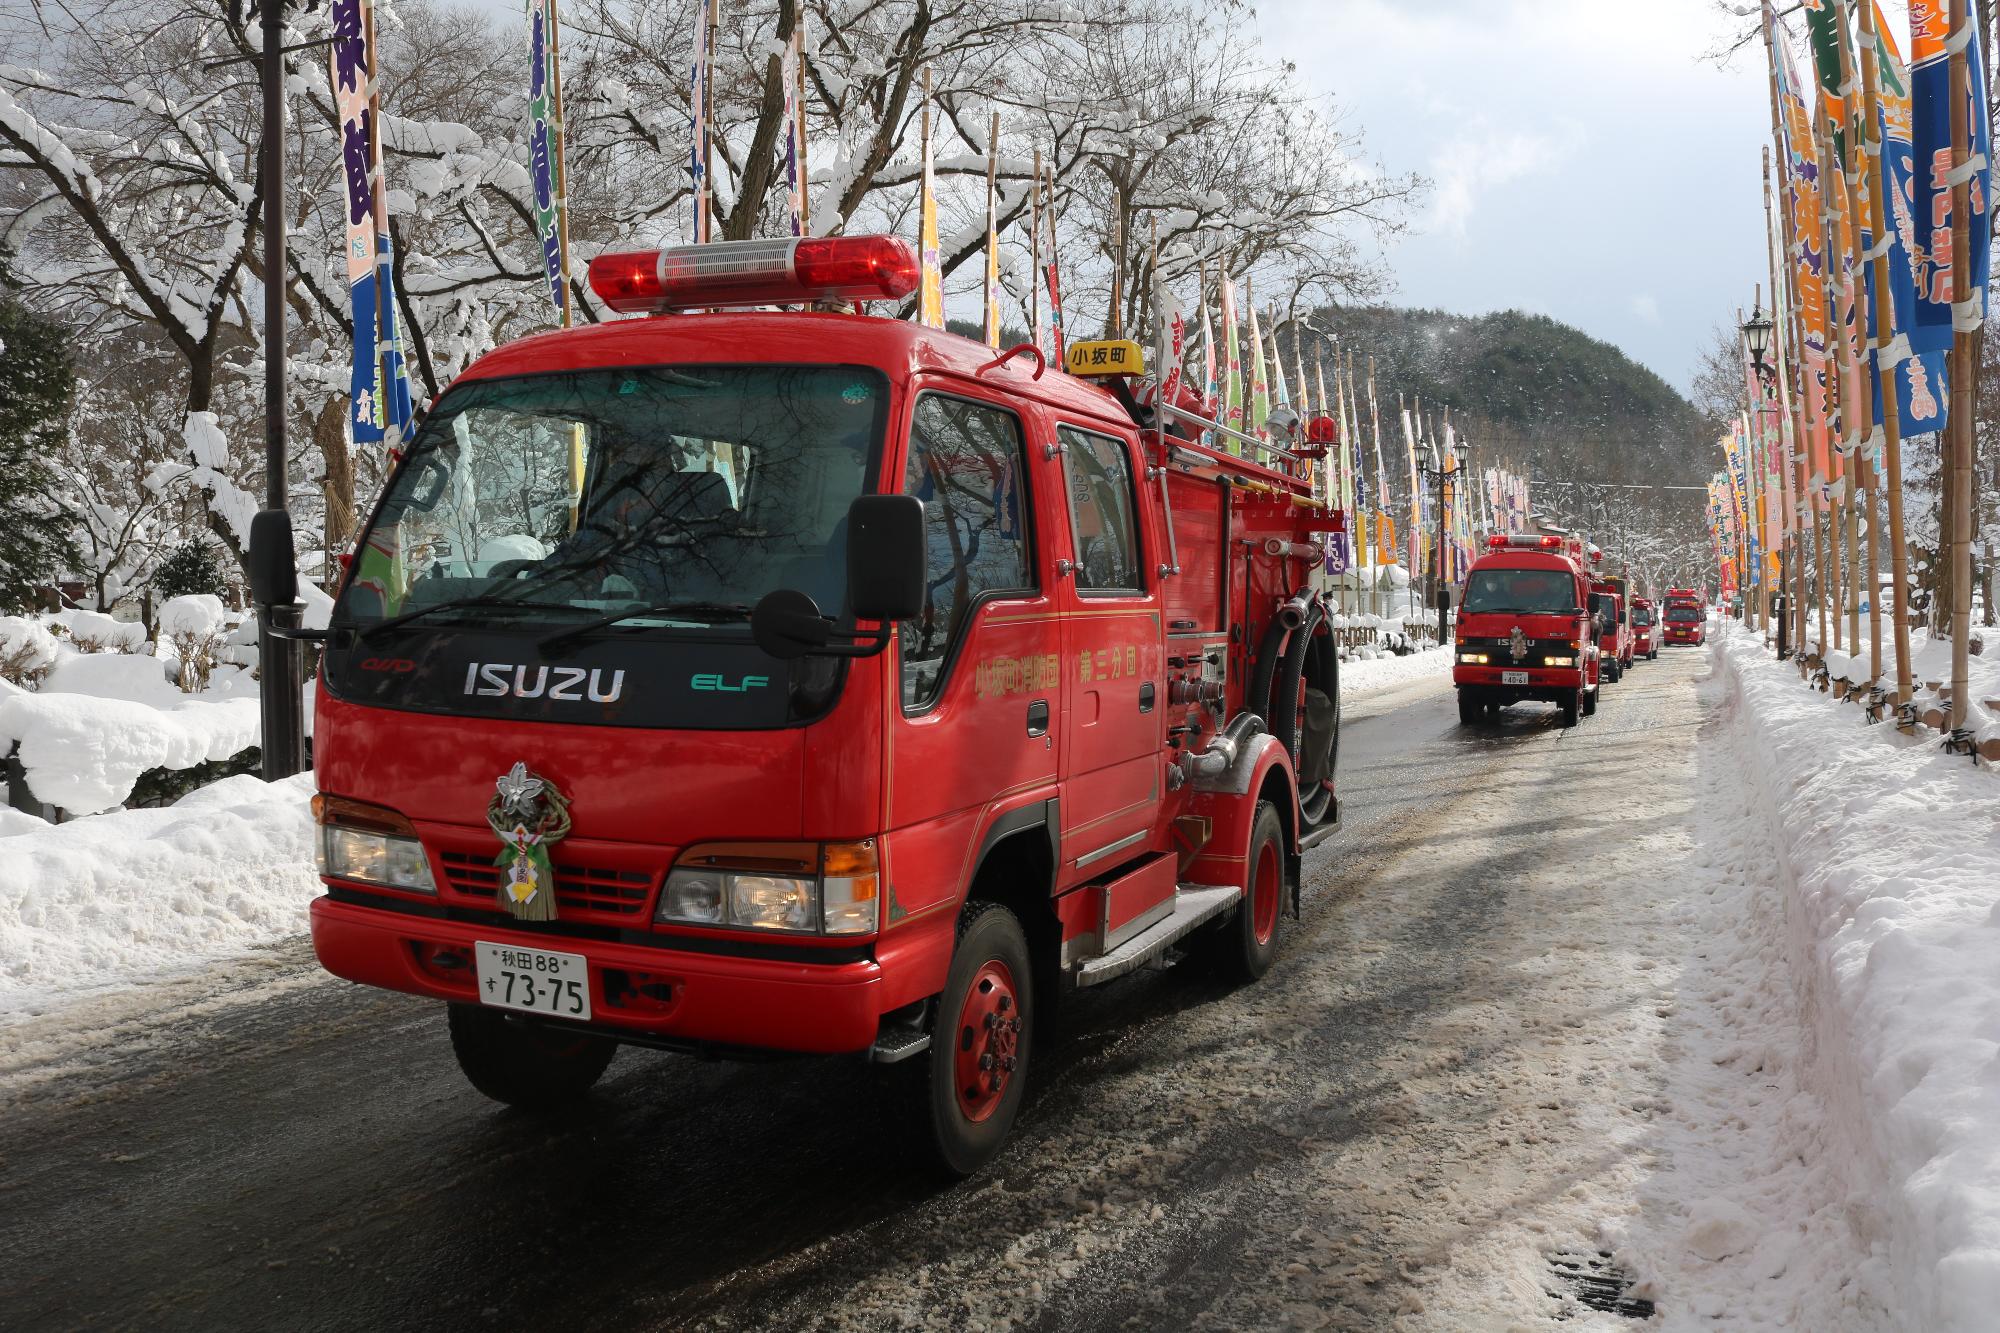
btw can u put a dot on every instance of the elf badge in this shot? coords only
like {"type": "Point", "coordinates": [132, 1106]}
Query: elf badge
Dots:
{"type": "Point", "coordinates": [529, 816]}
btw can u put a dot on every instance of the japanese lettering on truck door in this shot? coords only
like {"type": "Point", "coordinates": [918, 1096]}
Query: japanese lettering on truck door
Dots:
{"type": "Point", "coordinates": [979, 669]}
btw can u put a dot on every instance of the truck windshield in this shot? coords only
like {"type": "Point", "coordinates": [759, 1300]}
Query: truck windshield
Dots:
{"type": "Point", "coordinates": [1683, 614]}
{"type": "Point", "coordinates": [1642, 616]}
{"type": "Point", "coordinates": [1545, 591]}
{"type": "Point", "coordinates": [679, 495]}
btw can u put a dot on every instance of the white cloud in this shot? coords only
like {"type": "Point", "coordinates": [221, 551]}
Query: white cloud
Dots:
{"type": "Point", "coordinates": [1485, 160]}
{"type": "Point", "coordinates": [1647, 308]}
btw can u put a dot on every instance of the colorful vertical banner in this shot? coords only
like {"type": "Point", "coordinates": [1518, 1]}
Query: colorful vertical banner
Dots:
{"type": "Point", "coordinates": [930, 300]}
{"type": "Point", "coordinates": [541, 144]}
{"type": "Point", "coordinates": [1930, 102]}
{"type": "Point", "coordinates": [1170, 347]}
{"type": "Point", "coordinates": [1232, 374]}
{"type": "Point", "coordinates": [1211, 390]}
{"type": "Point", "coordinates": [379, 383]}
{"type": "Point", "coordinates": [1258, 410]}
{"type": "Point", "coordinates": [1921, 390]}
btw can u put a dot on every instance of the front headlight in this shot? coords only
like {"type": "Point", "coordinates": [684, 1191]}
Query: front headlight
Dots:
{"type": "Point", "coordinates": [1559, 661]}
{"type": "Point", "coordinates": [369, 845]}
{"type": "Point", "coordinates": [1473, 659]}
{"type": "Point", "coordinates": [806, 888]}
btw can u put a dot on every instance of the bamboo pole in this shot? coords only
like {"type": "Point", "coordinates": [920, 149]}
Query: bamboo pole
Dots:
{"type": "Point", "coordinates": [1117, 263]}
{"type": "Point", "coordinates": [705, 224]}
{"type": "Point", "coordinates": [562, 174]}
{"type": "Point", "coordinates": [1892, 435]}
{"type": "Point", "coordinates": [1035, 254]}
{"type": "Point", "coordinates": [1375, 418]}
{"type": "Point", "coordinates": [1833, 584]}
{"type": "Point", "coordinates": [799, 101]}
{"type": "Point", "coordinates": [1964, 365]}
{"type": "Point", "coordinates": [1861, 472]}
{"type": "Point", "coordinates": [1794, 320]}
{"type": "Point", "coordinates": [1779, 404]}
{"type": "Point", "coordinates": [992, 329]}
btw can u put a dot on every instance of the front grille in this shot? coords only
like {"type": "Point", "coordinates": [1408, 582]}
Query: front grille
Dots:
{"type": "Point", "coordinates": [584, 891]}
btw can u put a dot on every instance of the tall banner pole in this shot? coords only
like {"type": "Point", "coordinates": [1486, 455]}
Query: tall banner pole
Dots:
{"type": "Point", "coordinates": [1035, 254]}
{"type": "Point", "coordinates": [992, 235]}
{"type": "Point", "coordinates": [561, 172]}
{"type": "Point", "coordinates": [1832, 584]}
{"type": "Point", "coordinates": [1966, 319]}
{"type": "Point", "coordinates": [1860, 463]}
{"type": "Point", "coordinates": [1885, 349]}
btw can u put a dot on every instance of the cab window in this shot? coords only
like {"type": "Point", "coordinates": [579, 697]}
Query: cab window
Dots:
{"type": "Point", "coordinates": [1103, 512]}
{"type": "Point", "coordinates": [966, 465]}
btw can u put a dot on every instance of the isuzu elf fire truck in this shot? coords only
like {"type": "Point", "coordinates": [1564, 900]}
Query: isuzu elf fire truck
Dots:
{"type": "Point", "coordinates": [749, 680]}
{"type": "Point", "coordinates": [1525, 628]}
{"type": "Point", "coordinates": [1646, 633]}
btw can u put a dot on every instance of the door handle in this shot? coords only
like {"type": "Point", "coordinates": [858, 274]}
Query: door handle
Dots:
{"type": "Point", "coordinates": [1146, 697]}
{"type": "Point", "coordinates": [1038, 718]}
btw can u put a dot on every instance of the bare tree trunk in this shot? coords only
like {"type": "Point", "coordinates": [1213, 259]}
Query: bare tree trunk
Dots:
{"type": "Point", "coordinates": [329, 433]}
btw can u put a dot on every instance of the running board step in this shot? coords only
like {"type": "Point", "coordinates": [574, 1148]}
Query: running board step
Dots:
{"type": "Point", "coordinates": [895, 1044]}
{"type": "Point", "coordinates": [1194, 905]}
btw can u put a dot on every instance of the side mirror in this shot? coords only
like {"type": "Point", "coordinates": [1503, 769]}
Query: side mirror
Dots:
{"type": "Point", "coordinates": [885, 557]}
{"type": "Point", "coordinates": [274, 568]}
{"type": "Point", "coordinates": [786, 623]}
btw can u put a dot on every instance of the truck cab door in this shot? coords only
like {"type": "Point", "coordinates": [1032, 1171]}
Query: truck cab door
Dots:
{"type": "Point", "coordinates": [1113, 660]}
{"type": "Point", "coordinates": [978, 672]}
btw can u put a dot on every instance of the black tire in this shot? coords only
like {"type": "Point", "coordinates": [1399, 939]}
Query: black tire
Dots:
{"type": "Point", "coordinates": [1471, 708]}
{"type": "Point", "coordinates": [1590, 701]}
{"type": "Point", "coordinates": [968, 1123]}
{"type": "Point", "coordinates": [526, 1064]}
{"type": "Point", "coordinates": [1246, 944]}
{"type": "Point", "coordinates": [1308, 664]}
{"type": "Point", "coordinates": [1569, 707]}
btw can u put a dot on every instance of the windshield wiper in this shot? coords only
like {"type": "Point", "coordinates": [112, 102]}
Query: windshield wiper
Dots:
{"type": "Point", "coordinates": [711, 611]}
{"type": "Point", "coordinates": [456, 604]}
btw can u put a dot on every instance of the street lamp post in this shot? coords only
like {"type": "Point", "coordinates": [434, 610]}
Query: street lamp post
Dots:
{"type": "Point", "coordinates": [1440, 586]}
{"type": "Point", "coordinates": [1757, 333]}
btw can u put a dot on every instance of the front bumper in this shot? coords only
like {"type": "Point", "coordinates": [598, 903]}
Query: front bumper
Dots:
{"type": "Point", "coordinates": [701, 999]}
{"type": "Point", "coordinates": [1539, 678]}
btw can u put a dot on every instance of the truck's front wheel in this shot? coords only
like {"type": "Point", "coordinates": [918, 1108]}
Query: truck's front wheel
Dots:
{"type": "Point", "coordinates": [517, 1062]}
{"type": "Point", "coordinates": [1471, 707]}
{"type": "Point", "coordinates": [1570, 703]}
{"type": "Point", "coordinates": [979, 1049]}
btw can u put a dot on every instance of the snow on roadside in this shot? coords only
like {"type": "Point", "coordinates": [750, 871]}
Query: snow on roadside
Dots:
{"type": "Point", "coordinates": [1361, 678]}
{"type": "Point", "coordinates": [133, 896]}
{"type": "Point", "coordinates": [1889, 857]}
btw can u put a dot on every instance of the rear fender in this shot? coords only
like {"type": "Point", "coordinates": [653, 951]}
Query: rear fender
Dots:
{"type": "Point", "coordinates": [1228, 803]}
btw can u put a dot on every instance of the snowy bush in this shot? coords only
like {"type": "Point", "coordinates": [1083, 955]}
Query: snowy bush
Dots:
{"type": "Point", "coordinates": [95, 633]}
{"type": "Point", "coordinates": [195, 626]}
{"type": "Point", "coordinates": [27, 651]}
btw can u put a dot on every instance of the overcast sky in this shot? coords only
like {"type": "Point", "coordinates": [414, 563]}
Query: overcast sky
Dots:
{"type": "Point", "coordinates": [1588, 162]}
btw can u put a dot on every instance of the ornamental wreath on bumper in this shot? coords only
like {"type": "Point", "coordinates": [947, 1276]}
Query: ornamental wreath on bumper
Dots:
{"type": "Point", "coordinates": [529, 816]}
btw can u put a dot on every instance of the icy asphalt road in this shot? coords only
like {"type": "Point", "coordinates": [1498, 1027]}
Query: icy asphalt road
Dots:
{"type": "Point", "coordinates": [1348, 1144]}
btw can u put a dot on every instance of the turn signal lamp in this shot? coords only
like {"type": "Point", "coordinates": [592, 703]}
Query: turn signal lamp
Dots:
{"type": "Point", "coordinates": [804, 888]}
{"type": "Point", "coordinates": [751, 273]}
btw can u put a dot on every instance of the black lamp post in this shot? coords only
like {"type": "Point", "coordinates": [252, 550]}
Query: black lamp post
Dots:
{"type": "Point", "coordinates": [1441, 587]}
{"type": "Point", "coordinates": [1757, 331]}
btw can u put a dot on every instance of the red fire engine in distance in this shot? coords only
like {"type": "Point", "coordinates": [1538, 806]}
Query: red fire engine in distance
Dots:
{"type": "Point", "coordinates": [813, 682]}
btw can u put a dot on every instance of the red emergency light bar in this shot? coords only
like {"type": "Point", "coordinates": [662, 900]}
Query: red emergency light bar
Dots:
{"type": "Point", "coordinates": [1680, 592]}
{"type": "Point", "coordinates": [749, 273]}
{"type": "Point", "coordinates": [1500, 539]}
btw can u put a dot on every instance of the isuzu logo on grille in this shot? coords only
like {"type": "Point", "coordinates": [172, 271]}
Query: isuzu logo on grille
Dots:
{"type": "Point", "coordinates": [496, 680]}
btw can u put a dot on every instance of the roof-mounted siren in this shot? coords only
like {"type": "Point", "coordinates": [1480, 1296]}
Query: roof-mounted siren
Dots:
{"type": "Point", "coordinates": [796, 271]}
{"type": "Point", "coordinates": [1524, 540]}
{"type": "Point", "coordinates": [1322, 435]}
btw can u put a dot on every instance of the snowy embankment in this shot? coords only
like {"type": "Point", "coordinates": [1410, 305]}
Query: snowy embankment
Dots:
{"type": "Point", "coordinates": [1360, 678]}
{"type": "Point", "coordinates": [139, 895]}
{"type": "Point", "coordinates": [1889, 856]}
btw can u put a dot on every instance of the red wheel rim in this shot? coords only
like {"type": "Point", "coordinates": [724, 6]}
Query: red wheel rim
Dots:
{"type": "Point", "coordinates": [1264, 894]}
{"type": "Point", "coordinates": [989, 1040]}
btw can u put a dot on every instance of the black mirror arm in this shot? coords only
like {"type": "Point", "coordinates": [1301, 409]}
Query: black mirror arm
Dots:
{"type": "Point", "coordinates": [865, 644]}
{"type": "Point", "coordinates": [296, 633]}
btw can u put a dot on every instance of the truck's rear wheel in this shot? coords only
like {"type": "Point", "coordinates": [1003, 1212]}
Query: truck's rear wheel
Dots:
{"type": "Point", "coordinates": [515, 1061]}
{"type": "Point", "coordinates": [1246, 944]}
{"type": "Point", "coordinates": [978, 1060]}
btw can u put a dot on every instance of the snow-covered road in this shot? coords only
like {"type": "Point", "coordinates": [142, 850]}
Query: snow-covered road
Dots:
{"type": "Point", "coordinates": [1530, 1013]}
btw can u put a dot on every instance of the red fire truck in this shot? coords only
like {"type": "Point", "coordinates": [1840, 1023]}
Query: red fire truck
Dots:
{"type": "Point", "coordinates": [1525, 630]}
{"type": "Point", "coordinates": [1686, 618]}
{"type": "Point", "coordinates": [1607, 602]}
{"type": "Point", "coordinates": [745, 681]}
{"type": "Point", "coordinates": [1646, 632]}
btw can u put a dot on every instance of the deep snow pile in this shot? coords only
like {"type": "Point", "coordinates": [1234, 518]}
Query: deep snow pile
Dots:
{"type": "Point", "coordinates": [1889, 854]}
{"type": "Point", "coordinates": [122, 898]}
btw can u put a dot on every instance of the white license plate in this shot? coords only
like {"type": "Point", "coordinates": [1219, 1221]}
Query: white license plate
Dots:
{"type": "Point", "coordinates": [1513, 678]}
{"type": "Point", "coordinates": [511, 977]}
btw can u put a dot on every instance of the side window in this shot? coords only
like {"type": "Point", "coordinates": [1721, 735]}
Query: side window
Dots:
{"type": "Point", "coordinates": [1102, 513]}
{"type": "Point", "coordinates": [966, 466]}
